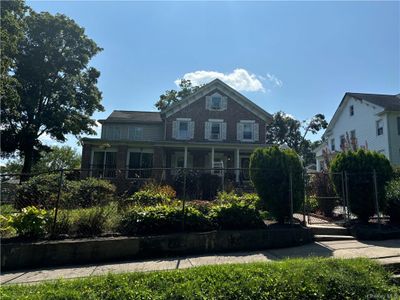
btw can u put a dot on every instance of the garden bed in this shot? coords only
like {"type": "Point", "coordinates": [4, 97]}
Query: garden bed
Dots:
{"type": "Point", "coordinates": [20, 255]}
{"type": "Point", "coordinates": [375, 231]}
{"type": "Point", "coordinates": [315, 278]}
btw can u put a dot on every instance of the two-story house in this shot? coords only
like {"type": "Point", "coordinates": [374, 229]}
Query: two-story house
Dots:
{"type": "Point", "coordinates": [370, 121]}
{"type": "Point", "coordinates": [215, 127]}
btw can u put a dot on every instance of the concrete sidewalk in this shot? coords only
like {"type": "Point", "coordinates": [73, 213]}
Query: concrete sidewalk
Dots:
{"type": "Point", "coordinates": [384, 251]}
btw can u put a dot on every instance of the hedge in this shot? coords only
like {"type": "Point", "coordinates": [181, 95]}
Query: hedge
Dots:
{"type": "Point", "coordinates": [315, 278]}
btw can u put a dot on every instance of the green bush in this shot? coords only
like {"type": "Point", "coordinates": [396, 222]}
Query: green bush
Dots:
{"type": "Point", "coordinates": [31, 222]}
{"type": "Point", "coordinates": [162, 219]}
{"type": "Point", "coordinates": [41, 190]}
{"type": "Point", "coordinates": [360, 166]}
{"type": "Point", "coordinates": [192, 183]}
{"type": "Point", "coordinates": [152, 194]}
{"type": "Point", "coordinates": [89, 222]}
{"type": "Point", "coordinates": [312, 204]}
{"type": "Point", "coordinates": [89, 192]}
{"type": "Point", "coordinates": [236, 216]}
{"type": "Point", "coordinates": [393, 200]}
{"type": "Point", "coordinates": [231, 197]}
{"type": "Point", "coordinates": [269, 171]}
{"type": "Point", "coordinates": [322, 188]}
{"type": "Point", "coordinates": [290, 279]}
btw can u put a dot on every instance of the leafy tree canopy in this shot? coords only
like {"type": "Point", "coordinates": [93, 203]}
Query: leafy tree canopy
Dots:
{"type": "Point", "coordinates": [52, 89]}
{"type": "Point", "coordinates": [56, 158]}
{"type": "Point", "coordinates": [172, 96]}
{"type": "Point", "coordinates": [285, 130]}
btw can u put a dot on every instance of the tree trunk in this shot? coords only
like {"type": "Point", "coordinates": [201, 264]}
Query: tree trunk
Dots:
{"type": "Point", "coordinates": [28, 161]}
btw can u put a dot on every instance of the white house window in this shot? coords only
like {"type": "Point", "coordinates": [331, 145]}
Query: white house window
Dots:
{"type": "Point", "coordinates": [379, 127]}
{"type": "Point", "coordinates": [332, 144]}
{"type": "Point", "coordinates": [140, 164]}
{"type": "Point", "coordinates": [183, 129]}
{"type": "Point", "coordinates": [215, 131]}
{"type": "Point", "coordinates": [351, 110]}
{"type": "Point", "coordinates": [113, 132]}
{"type": "Point", "coordinates": [136, 133]}
{"type": "Point", "coordinates": [216, 102]}
{"type": "Point", "coordinates": [104, 164]}
{"type": "Point", "coordinates": [247, 131]}
{"type": "Point", "coordinates": [342, 141]}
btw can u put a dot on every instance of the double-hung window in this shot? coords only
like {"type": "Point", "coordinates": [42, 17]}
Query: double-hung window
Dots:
{"type": "Point", "coordinates": [379, 127]}
{"type": "Point", "coordinates": [215, 131]}
{"type": "Point", "coordinates": [248, 131]}
{"type": "Point", "coordinates": [104, 164]}
{"type": "Point", "coordinates": [183, 132]}
{"type": "Point", "coordinates": [332, 144]}
{"type": "Point", "coordinates": [136, 133]}
{"type": "Point", "coordinates": [216, 102]}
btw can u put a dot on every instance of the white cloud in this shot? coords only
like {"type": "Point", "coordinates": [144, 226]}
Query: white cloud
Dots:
{"type": "Point", "coordinates": [239, 79]}
{"type": "Point", "coordinates": [272, 78]}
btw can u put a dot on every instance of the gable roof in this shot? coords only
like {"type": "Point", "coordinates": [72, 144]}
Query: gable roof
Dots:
{"type": "Point", "coordinates": [126, 116]}
{"type": "Point", "coordinates": [223, 87]}
{"type": "Point", "coordinates": [387, 102]}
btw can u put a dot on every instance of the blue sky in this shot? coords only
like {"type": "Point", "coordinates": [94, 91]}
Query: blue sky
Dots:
{"type": "Point", "coordinates": [299, 57]}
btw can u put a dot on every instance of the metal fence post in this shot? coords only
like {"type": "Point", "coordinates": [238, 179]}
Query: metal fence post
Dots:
{"type": "Point", "coordinates": [376, 197]}
{"type": "Point", "coordinates": [184, 199]}
{"type": "Point", "coordinates": [304, 196]}
{"type": "Point", "coordinates": [60, 183]}
{"type": "Point", "coordinates": [345, 205]}
{"type": "Point", "coordinates": [291, 196]}
{"type": "Point", "coordinates": [347, 194]}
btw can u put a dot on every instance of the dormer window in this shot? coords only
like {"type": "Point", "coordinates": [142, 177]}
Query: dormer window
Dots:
{"type": "Point", "coordinates": [216, 102]}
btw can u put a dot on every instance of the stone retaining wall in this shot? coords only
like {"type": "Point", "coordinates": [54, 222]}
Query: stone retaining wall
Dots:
{"type": "Point", "coordinates": [84, 251]}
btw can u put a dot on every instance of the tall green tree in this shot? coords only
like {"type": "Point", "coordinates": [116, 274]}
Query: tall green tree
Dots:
{"type": "Point", "coordinates": [56, 90]}
{"type": "Point", "coordinates": [172, 96]}
{"type": "Point", "coordinates": [284, 129]}
{"type": "Point", "coordinates": [56, 158]}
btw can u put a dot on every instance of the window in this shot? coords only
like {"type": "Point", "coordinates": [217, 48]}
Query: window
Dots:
{"type": "Point", "coordinates": [332, 144]}
{"type": "Point", "coordinates": [398, 125]}
{"type": "Point", "coordinates": [138, 163]}
{"type": "Point", "coordinates": [247, 131]}
{"type": "Point", "coordinates": [351, 110]}
{"type": "Point", "coordinates": [342, 141]}
{"type": "Point", "coordinates": [352, 135]}
{"type": "Point", "coordinates": [379, 127]}
{"type": "Point", "coordinates": [103, 164]}
{"type": "Point", "coordinates": [136, 133]}
{"type": "Point", "coordinates": [216, 102]}
{"type": "Point", "coordinates": [215, 131]}
{"type": "Point", "coordinates": [113, 132]}
{"type": "Point", "coordinates": [183, 132]}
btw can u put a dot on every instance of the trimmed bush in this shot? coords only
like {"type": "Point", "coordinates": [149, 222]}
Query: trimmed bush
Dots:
{"type": "Point", "coordinates": [90, 192]}
{"type": "Point", "coordinates": [41, 190]}
{"type": "Point", "coordinates": [393, 200]}
{"type": "Point", "coordinates": [269, 171]}
{"type": "Point", "coordinates": [209, 185]}
{"type": "Point", "coordinates": [249, 199]}
{"type": "Point", "coordinates": [161, 219]}
{"type": "Point", "coordinates": [359, 165]}
{"type": "Point", "coordinates": [31, 222]}
{"type": "Point", "coordinates": [152, 194]}
{"type": "Point", "coordinates": [236, 216]}
{"type": "Point", "coordinates": [192, 183]}
{"type": "Point", "coordinates": [290, 279]}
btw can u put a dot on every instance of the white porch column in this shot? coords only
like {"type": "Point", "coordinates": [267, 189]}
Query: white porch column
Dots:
{"type": "Point", "coordinates": [212, 157]}
{"type": "Point", "coordinates": [237, 164]}
{"type": "Point", "coordinates": [185, 158]}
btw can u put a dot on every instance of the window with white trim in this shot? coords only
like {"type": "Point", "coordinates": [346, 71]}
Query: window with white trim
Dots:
{"type": "Point", "coordinates": [104, 164]}
{"type": "Point", "coordinates": [333, 144]}
{"type": "Point", "coordinates": [216, 102]}
{"type": "Point", "coordinates": [351, 110]}
{"type": "Point", "coordinates": [113, 132]}
{"type": "Point", "coordinates": [247, 131]}
{"type": "Point", "coordinates": [136, 133]}
{"type": "Point", "coordinates": [215, 130]}
{"type": "Point", "coordinates": [183, 129]}
{"type": "Point", "coordinates": [379, 127]}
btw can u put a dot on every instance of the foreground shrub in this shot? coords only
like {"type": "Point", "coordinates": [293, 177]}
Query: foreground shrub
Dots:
{"type": "Point", "coordinates": [237, 215]}
{"type": "Point", "coordinates": [90, 192]}
{"type": "Point", "coordinates": [152, 194]}
{"type": "Point", "coordinates": [161, 219]}
{"type": "Point", "coordinates": [209, 185]}
{"type": "Point", "coordinates": [289, 279]}
{"type": "Point", "coordinates": [41, 190]}
{"type": "Point", "coordinates": [192, 183]}
{"type": "Point", "coordinates": [269, 171]}
{"type": "Point", "coordinates": [360, 165]}
{"type": "Point", "coordinates": [248, 199]}
{"type": "Point", "coordinates": [393, 200]}
{"type": "Point", "coordinates": [31, 222]}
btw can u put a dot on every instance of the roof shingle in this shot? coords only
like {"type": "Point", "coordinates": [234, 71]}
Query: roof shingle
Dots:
{"type": "Point", "coordinates": [134, 116]}
{"type": "Point", "coordinates": [388, 102]}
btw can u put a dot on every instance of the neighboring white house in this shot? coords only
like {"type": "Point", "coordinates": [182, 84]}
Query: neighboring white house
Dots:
{"type": "Point", "coordinates": [370, 121]}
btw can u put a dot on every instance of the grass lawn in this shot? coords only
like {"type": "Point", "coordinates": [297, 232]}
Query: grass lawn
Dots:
{"type": "Point", "coordinates": [314, 278]}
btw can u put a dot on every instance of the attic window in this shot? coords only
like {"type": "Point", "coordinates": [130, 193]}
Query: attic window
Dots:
{"type": "Point", "coordinates": [351, 110]}
{"type": "Point", "coordinates": [216, 102]}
